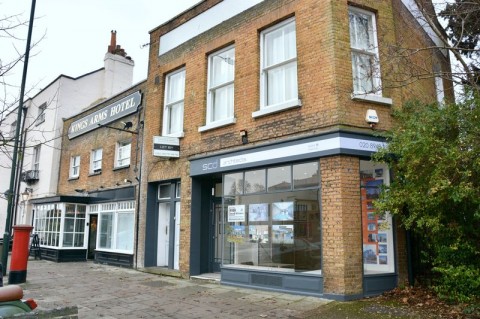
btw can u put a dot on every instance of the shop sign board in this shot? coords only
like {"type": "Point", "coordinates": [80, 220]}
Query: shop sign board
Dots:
{"type": "Point", "coordinates": [308, 148]}
{"type": "Point", "coordinates": [165, 146]}
{"type": "Point", "coordinates": [121, 108]}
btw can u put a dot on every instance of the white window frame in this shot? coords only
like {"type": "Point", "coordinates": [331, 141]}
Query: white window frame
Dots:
{"type": "Point", "coordinates": [374, 95]}
{"type": "Point", "coordinates": [265, 108]}
{"type": "Point", "coordinates": [211, 121]}
{"type": "Point", "coordinates": [96, 163]}
{"type": "Point", "coordinates": [41, 114]}
{"type": "Point", "coordinates": [36, 157]}
{"type": "Point", "coordinates": [75, 166]}
{"type": "Point", "coordinates": [167, 131]}
{"type": "Point", "coordinates": [120, 161]}
{"type": "Point", "coordinates": [116, 209]}
{"type": "Point", "coordinates": [13, 129]}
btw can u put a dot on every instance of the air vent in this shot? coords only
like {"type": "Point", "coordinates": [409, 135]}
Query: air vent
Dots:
{"type": "Point", "coordinates": [266, 280]}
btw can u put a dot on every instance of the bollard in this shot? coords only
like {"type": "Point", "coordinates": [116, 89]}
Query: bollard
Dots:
{"type": "Point", "coordinates": [19, 257]}
{"type": "Point", "coordinates": [1, 275]}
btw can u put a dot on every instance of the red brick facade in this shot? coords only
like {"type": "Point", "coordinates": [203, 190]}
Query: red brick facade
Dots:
{"type": "Point", "coordinates": [324, 87]}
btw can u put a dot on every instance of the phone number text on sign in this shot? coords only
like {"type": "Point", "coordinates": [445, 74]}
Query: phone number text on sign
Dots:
{"type": "Point", "coordinates": [371, 146]}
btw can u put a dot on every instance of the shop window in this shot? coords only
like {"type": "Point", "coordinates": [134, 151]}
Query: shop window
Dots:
{"type": "Point", "coordinates": [174, 104]}
{"type": "Point", "coordinates": [116, 227]}
{"type": "Point", "coordinates": [255, 181]}
{"type": "Point", "coordinates": [60, 225]}
{"type": "Point", "coordinates": [278, 67]}
{"type": "Point", "coordinates": [364, 50]}
{"type": "Point", "coordinates": [277, 228]}
{"type": "Point", "coordinates": [47, 222]}
{"type": "Point", "coordinates": [220, 92]}
{"type": "Point", "coordinates": [378, 254]}
{"type": "Point", "coordinates": [279, 178]}
{"type": "Point", "coordinates": [74, 166]}
{"type": "Point", "coordinates": [306, 175]}
{"type": "Point", "coordinates": [233, 184]}
{"type": "Point", "coordinates": [96, 161]}
{"type": "Point", "coordinates": [74, 225]}
{"type": "Point", "coordinates": [123, 154]}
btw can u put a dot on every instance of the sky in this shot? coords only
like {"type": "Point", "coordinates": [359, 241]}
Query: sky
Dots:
{"type": "Point", "coordinates": [75, 35]}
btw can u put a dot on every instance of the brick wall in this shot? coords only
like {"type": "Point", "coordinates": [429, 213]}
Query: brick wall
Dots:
{"type": "Point", "coordinates": [106, 139]}
{"type": "Point", "coordinates": [341, 225]}
{"type": "Point", "coordinates": [324, 86]}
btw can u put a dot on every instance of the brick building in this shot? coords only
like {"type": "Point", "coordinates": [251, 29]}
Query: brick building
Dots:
{"type": "Point", "coordinates": [92, 215]}
{"type": "Point", "coordinates": [261, 122]}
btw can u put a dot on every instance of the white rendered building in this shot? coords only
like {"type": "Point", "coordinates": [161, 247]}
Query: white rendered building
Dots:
{"type": "Point", "coordinates": [62, 98]}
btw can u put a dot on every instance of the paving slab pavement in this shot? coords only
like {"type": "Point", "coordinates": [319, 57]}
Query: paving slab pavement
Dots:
{"type": "Point", "coordinates": [101, 291]}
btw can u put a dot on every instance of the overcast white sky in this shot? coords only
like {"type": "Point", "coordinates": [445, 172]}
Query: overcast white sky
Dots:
{"type": "Point", "coordinates": [77, 34]}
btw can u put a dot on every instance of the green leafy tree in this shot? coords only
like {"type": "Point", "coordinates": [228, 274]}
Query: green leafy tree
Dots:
{"type": "Point", "coordinates": [435, 156]}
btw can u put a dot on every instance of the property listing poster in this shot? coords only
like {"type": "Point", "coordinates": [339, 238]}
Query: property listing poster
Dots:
{"type": "Point", "coordinates": [376, 228]}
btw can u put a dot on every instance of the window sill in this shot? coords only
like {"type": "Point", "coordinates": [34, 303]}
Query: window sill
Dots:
{"type": "Point", "coordinates": [372, 98]}
{"type": "Point", "coordinates": [277, 108]}
{"type": "Point", "coordinates": [181, 134]}
{"type": "Point", "coordinates": [73, 178]}
{"type": "Point", "coordinates": [217, 124]}
{"type": "Point", "coordinates": [121, 167]}
{"type": "Point", "coordinates": [94, 173]}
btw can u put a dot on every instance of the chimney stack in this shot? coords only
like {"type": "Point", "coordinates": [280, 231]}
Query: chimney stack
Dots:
{"type": "Point", "coordinates": [113, 42]}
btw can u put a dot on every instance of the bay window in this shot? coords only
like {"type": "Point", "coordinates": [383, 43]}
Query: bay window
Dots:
{"type": "Point", "coordinates": [60, 225]}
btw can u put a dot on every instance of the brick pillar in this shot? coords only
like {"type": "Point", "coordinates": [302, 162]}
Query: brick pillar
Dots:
{"type": "Point", "coordinates": [341, 227]}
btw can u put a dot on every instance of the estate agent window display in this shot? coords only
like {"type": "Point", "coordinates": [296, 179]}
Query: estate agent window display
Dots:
{"type": "Point", "coordinates": [378, 254]}
{"type": "Point", "coordinates": [273, 218]}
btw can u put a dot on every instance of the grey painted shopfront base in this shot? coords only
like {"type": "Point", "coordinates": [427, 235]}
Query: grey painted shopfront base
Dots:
{"type": "Point", "coordinates": [377, 284]}
{"type": "Point", "coordinates": [298, 283]}
{"type": "Point", "coordinates": [114, 259]}
{"type": "Point", "coordinates": [302, 283]}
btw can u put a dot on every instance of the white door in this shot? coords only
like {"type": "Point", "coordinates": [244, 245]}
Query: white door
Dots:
{"type": "Point", "coordinates": [176, 254]}
{"type": "Point", "coordinates": [163, 234]}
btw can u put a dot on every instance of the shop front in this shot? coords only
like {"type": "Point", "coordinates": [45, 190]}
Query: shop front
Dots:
{"type": "Point", "coordinates": [264, 217]}
{"type": "Point", "coordinates": [97, 226]}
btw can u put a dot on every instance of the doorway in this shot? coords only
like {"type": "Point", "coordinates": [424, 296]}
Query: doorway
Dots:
{"type": "Point", "coordinates": [92, 236]}
{"type": "Point", "coordinates": [163, 234]}
{"type": "Point", "coordinates": [168, 225]}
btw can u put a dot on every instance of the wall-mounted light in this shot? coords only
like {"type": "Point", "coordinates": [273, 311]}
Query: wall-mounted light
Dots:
{"type": "Point", "coordinates": [26, 193]}
{"type": "Point", "coordinates": [244, 136]}
{"type": "Point", "coordinates": [80, 190]}
{"type": "Point", "coordinates": [127, 181]}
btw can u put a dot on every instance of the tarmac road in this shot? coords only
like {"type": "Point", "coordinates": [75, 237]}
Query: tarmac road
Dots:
{"type": "Point", "coordinates": [101, 291]}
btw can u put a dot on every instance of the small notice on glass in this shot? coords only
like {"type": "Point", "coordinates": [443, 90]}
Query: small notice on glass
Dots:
{"type": "Point", "coordinates": [236, 213]}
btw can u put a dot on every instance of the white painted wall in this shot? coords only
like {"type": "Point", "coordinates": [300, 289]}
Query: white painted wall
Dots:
{"type": "Point", "coordinates": [65, 97]}
{"type": "Point", "coordinates": [203, 22]}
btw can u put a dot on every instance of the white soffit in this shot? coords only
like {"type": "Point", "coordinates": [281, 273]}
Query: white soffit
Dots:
{"type": "Point", "coordinates": [203, 22]}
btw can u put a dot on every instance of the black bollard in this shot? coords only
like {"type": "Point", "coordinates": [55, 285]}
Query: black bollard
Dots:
{"type": "Point", "coordinates": [1, 275]}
